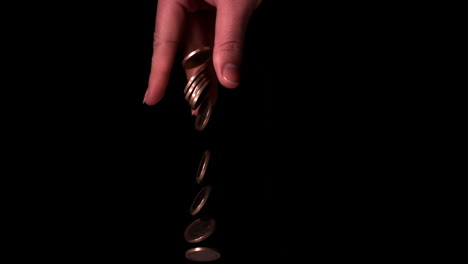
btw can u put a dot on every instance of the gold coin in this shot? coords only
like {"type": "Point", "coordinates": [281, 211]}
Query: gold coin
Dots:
{"type": "Point", "coordinates": [196, 58]}
{"type": "Point", "coordinates": [202, 254]}
{"type": "Point", "coordinates": [203, 166]}
{"type": "Point", "coordinates": [200, 200]}
{"type": "Point", "coordinates": [199, 230]}
{"type": "Point", "coordinates": [204, 114]}
{"type": "Point", "coordinates": [199, 94]}
{"type": "Point", "coordinates": [193, 78]}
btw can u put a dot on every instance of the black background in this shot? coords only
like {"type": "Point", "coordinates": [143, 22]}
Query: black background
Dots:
{"type": "Point", "coordinates": [295, 147]}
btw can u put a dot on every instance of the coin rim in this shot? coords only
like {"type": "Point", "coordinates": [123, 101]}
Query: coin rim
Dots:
{"type": "Point", "coordinates": [194, 211]}
{"type": "Point", "coordinates": [194, 77]}
{"type": "Point", "coordinates": [198, 249]}
{"type": "Point", "coordinates": [206, 116]}
{"type": "Point", "coordinates": [203, 166]}
{"type": "Point", "coordinates": [212, 222]}
{"type": "Point", "coordinates": [193, 53]}
{"type": "Point", "coordinates": [195, 96]}
{"type": "Point", "coordinates": [195, 86]}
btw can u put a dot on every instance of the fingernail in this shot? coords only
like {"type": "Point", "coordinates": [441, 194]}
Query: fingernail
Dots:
{"type": "Point", "coordinates": [231, 73]}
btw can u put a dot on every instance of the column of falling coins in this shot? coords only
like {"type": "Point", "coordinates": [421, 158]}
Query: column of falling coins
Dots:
{"type": "Point", "coordinates": [200, 93]}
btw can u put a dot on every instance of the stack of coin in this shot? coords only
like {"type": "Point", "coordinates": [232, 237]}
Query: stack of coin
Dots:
{"type": "Point", "coordinates": [200, 84]}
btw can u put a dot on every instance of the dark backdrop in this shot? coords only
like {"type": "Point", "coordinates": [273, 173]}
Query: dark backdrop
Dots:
{"type": "Point", "coordinates": [295, 147]}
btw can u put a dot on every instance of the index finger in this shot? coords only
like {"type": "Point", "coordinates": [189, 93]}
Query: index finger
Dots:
{"type": "Point", "coordinates": [170, 18]}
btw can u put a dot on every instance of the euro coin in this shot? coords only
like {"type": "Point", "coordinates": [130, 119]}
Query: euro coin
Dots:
{"type": "Point", "coordinates": [204, 114]}
{"type": "Point", "coordinates": [202, 254]}
{"type": "Point", "coordinates": [203, 166]}
{"type": "Point", "coordinates": [196, 58]}
{"type": "Point", "coordinates": [199, 230]}
{"type": "Point", "coordinates": [199, 93]}
{"type": "Point", "coordinates": [194, 78]}
{"type": "Point", "coordinates": [200, 200]}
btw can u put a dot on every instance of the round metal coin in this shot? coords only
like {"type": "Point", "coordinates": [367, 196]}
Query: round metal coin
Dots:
{"type": "Point", "coordinates": [194, 78]}
{"type": "Point", "coordinates": [196, 58]}
{"type": "Point", "coordinates": [204, 114]}
{"type": "Point", "coordinates": [199, 93]}
{"type": "Point", "coordinates": [202, 167]}
{"type": "Point", "coordinates": [200, 200]}
{"type": "Point", "coordinates": [202, 254]}
{"type": "Point", "coordinates": [195, 87]}
{"type": "Point", "coordinates": [199, 230]}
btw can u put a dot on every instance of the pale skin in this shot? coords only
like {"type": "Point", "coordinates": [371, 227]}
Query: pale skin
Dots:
{"type": "Point", "coordinates": [184, 25]}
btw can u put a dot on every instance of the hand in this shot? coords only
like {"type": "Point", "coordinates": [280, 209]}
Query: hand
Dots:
{"type": "Point", "coordinates": [190, 24]}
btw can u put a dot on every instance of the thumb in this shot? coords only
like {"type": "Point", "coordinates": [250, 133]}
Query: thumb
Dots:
{"type": "Point", "coordinates": [231, 22]}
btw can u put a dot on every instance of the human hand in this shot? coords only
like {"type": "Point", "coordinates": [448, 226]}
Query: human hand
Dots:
{"type": "Point", "coordinates": [191, 24]}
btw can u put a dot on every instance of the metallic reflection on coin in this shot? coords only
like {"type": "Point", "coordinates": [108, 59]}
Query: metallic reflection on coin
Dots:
{"type": "Point", "coordinates": [193, 79]}
{"type": "Point", "coordinates": [204, 114]}
{"type": "Point", "coordinates": [202, 167]}
{"type": "Point", "coordinates": [196, 58]}
{"type": "Point", "coordinates": [198, 95]}
{"type": "Point", "coordinates": [194, 88]}
{"type": "Point", "coordinates": [200, 200]}
{"type": "Point", "coordinates": [202, 254]}
{"type": "Point", "coordinates": [199, 230]}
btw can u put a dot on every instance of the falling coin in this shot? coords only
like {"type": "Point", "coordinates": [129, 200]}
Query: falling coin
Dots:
{"type": "Point", "coordinates": [202, 254]}
{"type": "Point", "coordinates": [200, 200]}
{"type": "Point", "coordinates": [196, 58]}
{"type": "Point", "coordinates": [203, 166]}
{"type": "Point", "coordinates": [194, 88]}
{"type": "Point", "coordinates": [200, 93]}
{"type": "Point", "coordinates": [194, 77]}
{"type": "Point", "coordinates": [199, 230]}
{"type": "Point", "coordinates": [204, 114]}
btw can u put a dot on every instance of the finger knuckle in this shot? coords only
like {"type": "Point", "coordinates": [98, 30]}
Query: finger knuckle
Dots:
{"type": "Point", "coordinates": [232, 46]}
{"type": "Point", "coordinates": [158, 41]}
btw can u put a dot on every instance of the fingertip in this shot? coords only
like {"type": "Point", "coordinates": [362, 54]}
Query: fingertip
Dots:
{"type": "Point", "coordinates": [150, 101]}
{"type": "Point", "coordinates": [152, 98]}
